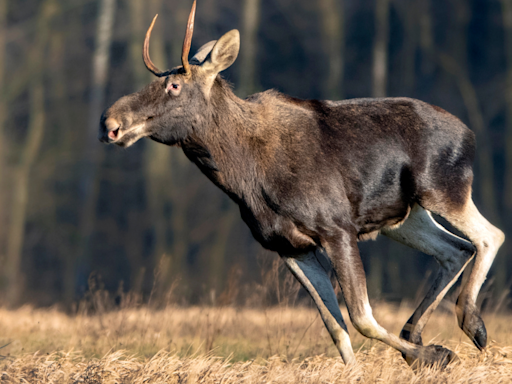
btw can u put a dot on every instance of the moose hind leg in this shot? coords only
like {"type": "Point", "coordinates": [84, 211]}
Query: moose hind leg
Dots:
{"type": "Point", "coordinates": [487, 239]}
{"type": "Point", "coordinates": [420, 231]}
{"type": "Point", "coordinates": [312, 270]}
{"type": "Point", "coordinates": [348, 266]}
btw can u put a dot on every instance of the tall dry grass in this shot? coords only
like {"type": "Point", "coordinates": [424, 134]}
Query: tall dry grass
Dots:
{"type": "Point", "coordinates": [275, 338]}
{"type": "Point", "coordinates": [281, 344]}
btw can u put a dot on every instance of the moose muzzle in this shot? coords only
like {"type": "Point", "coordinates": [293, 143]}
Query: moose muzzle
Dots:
{"type": "Point", "coordinates": [109, 130]}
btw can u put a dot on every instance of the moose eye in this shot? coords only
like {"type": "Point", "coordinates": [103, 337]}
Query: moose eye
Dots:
{"type": "Point", "coordinates": [174, 89]}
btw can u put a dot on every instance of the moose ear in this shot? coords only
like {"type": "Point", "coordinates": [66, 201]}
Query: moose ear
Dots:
{"type": "Point", "coordinates": [202, 52]}
{"type": "Point", "coordinates": [224, 53]}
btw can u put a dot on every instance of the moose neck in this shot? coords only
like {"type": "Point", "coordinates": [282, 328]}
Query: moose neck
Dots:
{"type": "Point", "coordinates": [221, 144]}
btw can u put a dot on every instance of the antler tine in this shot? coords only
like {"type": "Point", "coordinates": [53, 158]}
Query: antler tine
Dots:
{"type": "Point", "coordinates": [188, 40]}
{"type": "Point", "coordinates": [145, 53]}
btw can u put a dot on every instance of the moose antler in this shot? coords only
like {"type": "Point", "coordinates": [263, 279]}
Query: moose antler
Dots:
{"type": "Point", "coordinates": [145, 53]}
{"type": "Point", "coordinates": [184, 53]}
{"type": "Point", "coordinates": [188, 40]}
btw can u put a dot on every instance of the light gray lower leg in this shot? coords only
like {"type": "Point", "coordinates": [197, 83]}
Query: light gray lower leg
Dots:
{"type": "Point", "coordinates": [312, 272]}
{"type": "Point", "coordinates": [420, 231]}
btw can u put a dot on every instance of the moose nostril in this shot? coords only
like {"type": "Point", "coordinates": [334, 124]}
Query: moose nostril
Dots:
{"type": "Point", "coordinates": [113, 134]}
{"type": "Point", "coordinates": [112, 128]}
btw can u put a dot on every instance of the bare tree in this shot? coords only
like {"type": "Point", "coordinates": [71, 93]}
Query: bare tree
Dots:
{"type": "Point", "coordinates": [179, 220]}
{"type": "Point", "coordinates": [28, 156]}
{"type": "Point", "coordinates": [410, 20]}
{"type": "Point", "coordinates": [426, 36]}
{"type": "Point", "coordinates": [248, 59]}
{"type": "Point", "coordinates": [93, 153]}
{"type": "Point", "coordinates": [380, 48]}
{"type": "Point", "coordinates": [137, 26]}
{"type": "Point", "coordinates": [219, 248]}
{"type": "Point", "coordinates": [333, 23]}
{"type": "Point", "coordinates": [507, 26]}
{"type": "Point", "coordinates": [506, 6]}
{"type": "Point", "coordinates": [3, 111]}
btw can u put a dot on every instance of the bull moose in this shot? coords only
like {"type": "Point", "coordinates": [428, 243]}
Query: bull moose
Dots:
{"type": "Point", "coordinates": [312, 178]}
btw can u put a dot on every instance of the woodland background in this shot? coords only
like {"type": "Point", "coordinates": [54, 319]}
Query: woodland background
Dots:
{"type": "Point", "coordinates": [76, 214]}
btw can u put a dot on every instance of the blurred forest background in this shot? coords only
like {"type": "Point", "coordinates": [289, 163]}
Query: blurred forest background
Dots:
{"type": "Point", "coordinates": [144, 219]}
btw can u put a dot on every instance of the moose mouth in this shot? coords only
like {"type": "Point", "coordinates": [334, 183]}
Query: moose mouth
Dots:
{"type": "Point", "coordinates": [125, 138]}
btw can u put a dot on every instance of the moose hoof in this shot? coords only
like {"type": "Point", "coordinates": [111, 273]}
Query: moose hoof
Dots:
{"type": "Point", "coordinates": [473, 326]}
{"type": "Point", "coordinates": [432, 355]}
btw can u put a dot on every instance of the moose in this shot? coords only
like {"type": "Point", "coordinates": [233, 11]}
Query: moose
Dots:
{"type": "Point", "coordinates": [312, 178]}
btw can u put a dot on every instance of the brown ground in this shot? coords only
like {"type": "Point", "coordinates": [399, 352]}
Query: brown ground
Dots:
{"type": "Point", "coordinates": [228, 345]}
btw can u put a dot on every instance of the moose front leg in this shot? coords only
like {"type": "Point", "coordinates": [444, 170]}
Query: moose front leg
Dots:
{"type": "Point", "coordinates": [311, 270]}
{"type": "Point", "coordinates": [348, 266]}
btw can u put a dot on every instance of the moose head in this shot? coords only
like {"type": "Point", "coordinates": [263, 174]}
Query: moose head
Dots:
{"type": "Point", "coordinates": [171, 106]}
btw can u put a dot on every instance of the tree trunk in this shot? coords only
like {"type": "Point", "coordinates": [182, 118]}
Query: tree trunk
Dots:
{"type": "Point", "coordinates": [93, 153]}
{"type": "Point", "coordinates": [332, 22]}
{"type": "Point", "coordinates": [141, 75]}
{"type": "Point", "coordinates": [180, 199]}
{"type": "Point", "coordinates": [410, 18]}
{"type": "Point", "coordinates": [3, 119]}
{"type": "Point", "coordinates": [251, 20]}
{"type": "Point", "coordinates": [507, 26]}
{"type": "Point", "coordinates": [507, 29]}
{"type": "Point", "coordinates": [375, 276]}
{"type": "Point", "coordinates": [157, 168]}
{"type": "Point", "coordinates": [14, 277]}
{"type": "Point", "coordinates": [380, 48]}
{"type": "Point", "coordinates": [218, 251]}
{"type": "Point", "coordinates": [426, 37]}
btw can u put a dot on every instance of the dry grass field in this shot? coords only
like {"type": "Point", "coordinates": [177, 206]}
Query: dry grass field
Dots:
{"type": "Point", "coordinates": [227, 345]}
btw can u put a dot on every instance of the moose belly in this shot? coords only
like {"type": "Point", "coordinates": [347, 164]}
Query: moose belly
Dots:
{"type": "Point", "coordinates": [277, 233]}
{"type": "Point", "coordinates": [387, 217]}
